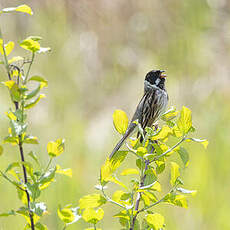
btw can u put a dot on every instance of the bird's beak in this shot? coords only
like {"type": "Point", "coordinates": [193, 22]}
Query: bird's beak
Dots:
{"type": "Point", "coordinates": [163, 75]}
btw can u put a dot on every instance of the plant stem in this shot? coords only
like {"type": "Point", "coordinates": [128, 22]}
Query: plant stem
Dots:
{"type": "Point", "coordinates": [25, 180]}
{"type": "Point", "coordinates": [138, 199]}
{"type": "Point", "coordinates": [12, 182]}
{"type": "Point", "coordinates": [20, 145]}
{"type": "Point", "coordinates": [110, 200]}
{"type": "Point", "coordinates": [169, 150]}
{"type": "Point", "coordinates": [28, 71]}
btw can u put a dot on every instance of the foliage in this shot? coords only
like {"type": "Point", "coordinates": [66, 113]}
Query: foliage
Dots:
{"type": "Point", "coordinates": [27, 175]}
{"type": "Point", "coordinates": [137, 199]}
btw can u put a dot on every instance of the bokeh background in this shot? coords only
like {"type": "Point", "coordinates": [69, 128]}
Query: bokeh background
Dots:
{"type": "Point", "coordinates": [101, 51]}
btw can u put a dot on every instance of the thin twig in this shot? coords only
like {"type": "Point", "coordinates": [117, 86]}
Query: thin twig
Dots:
{"type": "Point", "coordinates": [169, 150]}
{"type": "Point", "coordinates": [12, 182]}
{"type": "Point", "coordinates": [133, 151]}
{"type": "Point", "coordinates": [28, 71]}
{"type": "Point", "coordinates": [110, 200]}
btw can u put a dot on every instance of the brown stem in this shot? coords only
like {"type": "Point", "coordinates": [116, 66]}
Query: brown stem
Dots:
{"type": "Point", "coordinates": [139, 195]}
{"type": "Point", "coordinates": [25, 180]}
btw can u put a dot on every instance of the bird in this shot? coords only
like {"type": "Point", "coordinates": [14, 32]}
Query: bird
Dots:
{"type": "Point", "coordinates": [151, 106]}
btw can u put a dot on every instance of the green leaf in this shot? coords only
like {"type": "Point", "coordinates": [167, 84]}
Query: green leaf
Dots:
{"type": "Point", "coordinates": [12, 140]}
{"type": "Point", "coordinates": [30, 140]}
{"type": "Point", "coordinates": [156, 221]}
{"type": "Point", "coordinates": [66, 214]}
{"type": "Point", "coordinates": [33, 155]}
{"type": "Point", "coordinates": [11, 116]}
{"type": "Point", "coordinates": [175, 199]}
{"type": "Point", "coordinates": [34, 102]}
{"type": "Point", "coordinates": [203, 142]}
{"type": "Point", "coordinates": [38, 208]}
{"type": "Point", "coordinates": [33, 92]}
{"type": "Point", "coordinates": [67, 172]}
{"type": "Point", "coordinates": [17, 128]}
{"type": "Point", "coordinates": [22, 8]}
{"type": "Point", "coordinates": [33, 190]}
{"type": "Point", "coordinates": [14, 90]}
{"type": "Point", "coordinates": [35, 38]}
{"type": "Point", "coordinates": [91, 201]}
{"type": "Point", "coordinates": [150, 177]}
{"type": "Point", "coordinates": [174, 173]}
{"type": "Point", "coordinates": [6, 214]}
{"type": "Point", "coordinates": [40, 226]}
{"type": "Point", "coordinates": [30, 44]}
{"type": "Point", "coordinates": [129, 171]}
{"type": "Point", "coordinates": [184, 122]}
{"type": "Point", "coordinates": [120, 121]}
{"type": "Point", "coordinates": [1, 150]}
{"type": "Point", "coordinates": [183, 155]}
{"type": "Point", "coordinates": [55, 148]}
{"type": "Point", "coordinates": [47, 178]}
{"type": "Point", "coordinates": [8, 48]}
{"type": "Point", "coordinates": [160, 166]}
{"type": "Point", "coordinates": [93, 216]}
{"type": "Point", "coordinates": [186, 191]}
{"type": "Point", "coordinates": [41, 80]}
{"type": "Point", "coordinates": [170, 114]}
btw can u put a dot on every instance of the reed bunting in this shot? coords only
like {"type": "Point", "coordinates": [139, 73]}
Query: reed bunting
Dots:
{"type": "Point", "coordinates": [151, 106]}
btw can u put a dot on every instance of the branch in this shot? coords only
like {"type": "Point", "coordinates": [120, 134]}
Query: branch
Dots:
{"type": "Point", "coordinates": [110, 200]}
{"type": "Point", "coordinates": [169, 150]}
{"type": "Point", "coordinates": [20, 142]}
{"type": "Point", "coordinates": [12, 182]}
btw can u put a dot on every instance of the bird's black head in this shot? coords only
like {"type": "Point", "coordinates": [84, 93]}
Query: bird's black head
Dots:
{"type": "Point", "coordinates": [156, 77]}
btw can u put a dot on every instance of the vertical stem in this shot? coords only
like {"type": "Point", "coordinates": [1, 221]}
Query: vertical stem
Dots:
{"type": "Point", "coordinates": [27, 74]}
{"type": "Point", "coordinates": [20, 138]}
{"type": "Point", "coordinates": [139, 195]}
{"type": "Point", "coordinates": [25, 180]}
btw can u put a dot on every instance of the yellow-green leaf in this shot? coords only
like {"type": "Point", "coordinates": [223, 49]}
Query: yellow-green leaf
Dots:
{"type": "Point", "coordinates": [15, 59]}
{"type": "Point", "coordinates": [111, 165]}
{"type": "Point", "coordinates": [41, 80]}
{"type": "Point", "coordinates": [1, 150]}
{"type": "Point", "coordinates": [30, 44]}
{"type": "Point", "coordinates": [22, 8]}
{"type": "Point", "coordinates": [25, 9]}
{"type": "Point", "coordinates": [67, 172]}
{"type": "Point", "coordinates": [55, 148]}
{"type": "Point", "coordinates": [34, 102]}
{"type": "Point", "coordinates": [163, 133]}
{"type": "Point", "coordinates": [14, 89]}
{"type": "Point", "coordinates": [129, 171]}
{"type": "Point", "coordinates": [178, 200]}
{"type": "Point", "coordinates": [11, 116]}
{"type": "Point", "coordinates": [120, 121]}
{"type": "Point", "coordinates": [203, 142]}
{"type": "Point", "coordinates": [156, 221]}
{"type": "Point", "coordinates": [141, 151]}
{"type": "Point", "coordinates": [66, 215]}
{"type": "Point", "coordinates": [30, 140]}
{"type": "Point", "coordinates": [9, 47]}
{"type": "Point", "coordinates": [183, 155]}
{"type": "Point", "coordinates": [91, 201]}
{"type": "Point", "coordinates": [174, 173]}
{"type": "Point", "coordinates": [184, 123]}
{"type": "Point", "coordinates": [92, 216]}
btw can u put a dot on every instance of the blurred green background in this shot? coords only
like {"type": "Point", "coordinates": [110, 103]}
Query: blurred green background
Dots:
{"type": "Point", "coordinates": [101, 51]}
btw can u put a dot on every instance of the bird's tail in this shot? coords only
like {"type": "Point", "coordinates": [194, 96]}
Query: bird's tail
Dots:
{"type": "Point", "coordinates": [120, 143]}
